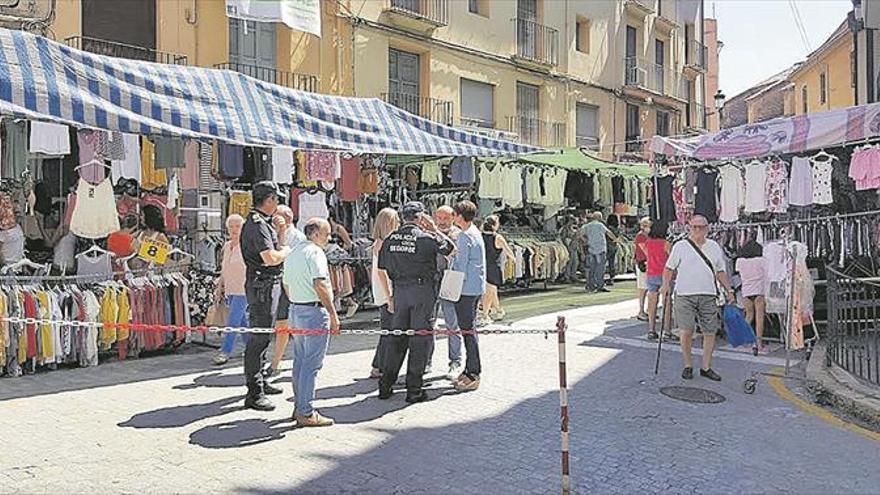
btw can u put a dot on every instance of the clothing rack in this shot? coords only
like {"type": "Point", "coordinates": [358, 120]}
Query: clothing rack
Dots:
{"type": "Point", "coordinates": [444, 190]}
{"type": "Point", "coordinates": [794, 221]}
{"type": "Point", "coordinates": [87, 278]}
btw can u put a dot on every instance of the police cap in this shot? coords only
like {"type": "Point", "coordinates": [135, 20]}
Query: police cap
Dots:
{"type": "Point", "coordinates": [264, 189]}
{"type": "Point", "coordinates": [411, 210]}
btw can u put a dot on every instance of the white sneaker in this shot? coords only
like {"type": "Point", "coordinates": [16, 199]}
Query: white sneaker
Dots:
{"type": "Point", "coordinates": [454, 371]}
{"type": "Point", "coordinates": [221, 359]}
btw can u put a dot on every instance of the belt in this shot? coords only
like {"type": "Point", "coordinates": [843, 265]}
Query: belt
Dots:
{"type": "Point", "coordinates": [413, 281]}
{"type": "Point", "coordinates": [262, 274]}
{"type": "Point", "coordinates": [313, 304]}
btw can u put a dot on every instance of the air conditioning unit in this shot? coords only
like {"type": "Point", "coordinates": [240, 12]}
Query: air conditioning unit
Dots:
{"type": "Point", "coordinates": [639, 76]}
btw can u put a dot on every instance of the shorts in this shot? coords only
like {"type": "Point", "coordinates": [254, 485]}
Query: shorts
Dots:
{"type": "Point", "coordinates": [701, 310]}
{"type": "Point", "coordinates": [641, 279]}
{"type": "Point", "coordinates": [653, 283]}
{"type": "Point", "coordinates": [283, 307]}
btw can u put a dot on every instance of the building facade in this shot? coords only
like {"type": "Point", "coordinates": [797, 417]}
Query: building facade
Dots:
{"type": "Point", "coordinates": [602, 74]}
{"type": "Point", "coordinates": [713, 68]}
{"type": "Point", "coordinates": [825, 80]}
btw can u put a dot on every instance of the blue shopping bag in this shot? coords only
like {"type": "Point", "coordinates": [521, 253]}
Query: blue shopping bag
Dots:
{"type": "Point", "coordinates": [739, 332]}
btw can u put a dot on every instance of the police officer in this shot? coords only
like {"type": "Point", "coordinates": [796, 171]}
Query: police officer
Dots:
{"type": "Point", "coordinates": [409, 256]}
{"type": "Point", "coordinates": [264, 257]}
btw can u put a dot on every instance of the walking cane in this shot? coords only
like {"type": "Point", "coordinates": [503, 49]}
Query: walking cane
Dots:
{"type": "Point", "coordinates": [660, 338]}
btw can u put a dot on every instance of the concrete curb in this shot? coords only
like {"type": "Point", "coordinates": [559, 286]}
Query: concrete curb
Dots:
{"type": "Point", "coordinates": [833, 386]}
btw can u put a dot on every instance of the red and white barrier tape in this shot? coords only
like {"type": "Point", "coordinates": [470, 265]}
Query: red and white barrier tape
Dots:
{"type": "Point", "coordinates": [149, 327]}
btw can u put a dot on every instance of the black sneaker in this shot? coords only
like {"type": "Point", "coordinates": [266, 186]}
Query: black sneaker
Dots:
{"type": "Point", "coordinates": [420, 397]}
{"type": "Point", "coordinates": [384, 393]}
{"type": "Point", "coordinates": [652, 335]}
{"type": "Point", "coordinates": [710, 374]}
{"type": "Point", "coordinates": [259, 404]}
{"type": "Point", "coordinates": [687, 373]}
{"type": "Point", "coordinates": [270, 390]}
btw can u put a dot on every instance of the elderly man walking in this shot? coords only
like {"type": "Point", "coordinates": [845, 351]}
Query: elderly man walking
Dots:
{"type": "Point", "coordinates": [594, 235]}
{"type": "Point", "coordinates": [307, 283]}
{"type": "Point", "coordinates": [697, 265]}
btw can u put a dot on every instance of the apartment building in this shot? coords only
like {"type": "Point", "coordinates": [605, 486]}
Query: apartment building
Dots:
{"type": "Point", "coordinates": [826, 79]}
{"type": "Point", "coordinates": [604, 74]}
{"type": "Point", "coordinates": [199, 33]}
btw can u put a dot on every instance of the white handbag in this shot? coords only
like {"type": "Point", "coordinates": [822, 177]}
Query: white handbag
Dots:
{"type": "Point", "coordinates": [451, 285]}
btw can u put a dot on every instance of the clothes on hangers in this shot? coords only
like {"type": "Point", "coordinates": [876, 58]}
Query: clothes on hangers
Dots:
{"type": "Point", "coordinates": [733, 193]}
{"type": "Point", "coordinates": [240, 203]}
{"type": "Point", "coordinates": [94, 215]}
{"type": "Point", "coordinates": [151, 177]}
{"type": "Point", "coordinates": [462, 170]}
{"type": "Point", "coordinates": [169, 153]}
{"type": "Point", "coordinates": [491, 180]}
{"type": "Point", "coordinates": [776, 186]}
{"type": "Point", "coordinates": [15, 149]}
{"type": "Point", "coordinates": [129, 167]}
{"type": "Point", "coordinates": [512, 185]}
{"type": "Point", "coordinates": [189, 176]}
{"type": "Point", "coordinates": [756, 187]}
{"type": "Point", "coordinates": [311, 205]}
{"type": "Point", "coordinates": [49, 139]}
{"type": "Point", "coordinates": [801, 184]}
{"type": "Point", "coordinates": [864, 168]}
{"type": "Point", "coordinates": [664, 200]}
{"type": "Point", "coordinates": [705, 203]}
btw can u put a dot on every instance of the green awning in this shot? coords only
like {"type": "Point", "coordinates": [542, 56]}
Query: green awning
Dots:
{"type": "Point", "coordinates": [574, 159]}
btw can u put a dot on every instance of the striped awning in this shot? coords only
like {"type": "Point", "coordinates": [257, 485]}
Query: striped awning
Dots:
{"type": "Point", "coordinates": [44, 80]}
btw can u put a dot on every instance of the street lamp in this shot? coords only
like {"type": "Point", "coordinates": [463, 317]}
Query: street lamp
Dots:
{"type": "Point", "coordinates": [719, 101]}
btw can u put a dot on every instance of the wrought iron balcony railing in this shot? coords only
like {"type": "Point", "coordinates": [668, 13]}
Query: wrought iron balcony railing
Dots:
{"type": "Point", "coordinates": [433, 11]}
{"type": "Point", "coordinates": [302, 82]}
{"type": "Point", "coordinates": [538, 132]}
{"type": "Point", "coordinates": [536, 42]}
{"type": "Point", "coordinates": [122, 50]}
{"type": "Point", "coordinates": [439, 111]}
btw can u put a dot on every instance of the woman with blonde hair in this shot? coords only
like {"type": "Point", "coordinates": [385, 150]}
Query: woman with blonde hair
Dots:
{"type": "Point", "coordinates": [387, 221]}
{"type": "Point", "coordinates": [495, 246]}
{"type": "Point", "coordinates": [230, 285]}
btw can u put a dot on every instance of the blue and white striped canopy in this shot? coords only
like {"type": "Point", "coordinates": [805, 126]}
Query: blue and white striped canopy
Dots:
{"type": "Point", "coordinates": [44, 80]}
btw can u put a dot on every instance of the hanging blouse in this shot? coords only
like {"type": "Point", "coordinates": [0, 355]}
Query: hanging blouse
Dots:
{"type": "Point", "coordinates": [777, 186]}
{"type": "Point", "coordinates": [756, 187]}
{"type": "Point", "coordinates": [864, 168]}
{"type": "Point", "coordinates": [322, 165]}
{"type": "Point", "coordinates": [822, 170]}
{"type": "Point", "coordinates": [801, 190]}
{"type": "Point", "coordinates": [491, 178]}
{"type": "Point", "coordinates": [151, 178]}
{"type": "Point", "coordinates": [732, 193]}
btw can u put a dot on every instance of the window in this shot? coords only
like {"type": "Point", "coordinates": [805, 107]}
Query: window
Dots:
{"type": "Point", "coordinates": [587, 123]}
{"type": "Point", "coordinates": [582, 35]}
{"type": "Point", "coordinates": [252, 43]}
{"type": "Point", "coordinates": [804, 99]}
{"type": "Point", "coordinates": [662, 123]}
{"type": "Point", "coordinates": [823, 88]}
{"type": "Point", "coordinates": [477, 103]}
{"type": "Point", "coordinates": [527, 113]}
{"type": "Point", "coordinates": [479, 7]}
{"type": "Point", "coordinates": [403, 80]}
{"type": "Point", "coordinates": [660, 64]}
{"type": "Point", "coordinates": [633, 133]}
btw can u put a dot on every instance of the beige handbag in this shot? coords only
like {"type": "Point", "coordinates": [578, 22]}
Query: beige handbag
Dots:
{"type": "Point", "coordinates": [218, 313]}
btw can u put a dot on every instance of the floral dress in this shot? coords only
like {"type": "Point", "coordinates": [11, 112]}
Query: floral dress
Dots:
{"type": "Point", "coordinates": [777, 187]}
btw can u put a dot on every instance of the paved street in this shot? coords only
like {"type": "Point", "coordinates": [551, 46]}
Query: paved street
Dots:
{"type": "Point", "coordinates": [175, 424]}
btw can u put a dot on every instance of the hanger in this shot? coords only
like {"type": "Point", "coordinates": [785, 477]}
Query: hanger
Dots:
{"type": "Point", "coordinates": [823, 154]}
{"type": "Point", "coordinates": [95, 249]}
{"type": "Point", "coordinates": [93, 161]}
{"type": "Point", "coordinates": [24, 262]}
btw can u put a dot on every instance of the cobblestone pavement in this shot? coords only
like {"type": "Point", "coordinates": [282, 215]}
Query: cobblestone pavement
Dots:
{"type": "Point", "coordinates": [175, 425]}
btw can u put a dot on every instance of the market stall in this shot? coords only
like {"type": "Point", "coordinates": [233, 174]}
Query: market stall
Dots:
{"type": "Point", "coordinates": [805, 188]}
{"type": "Point", "coordinates": [115, 177]}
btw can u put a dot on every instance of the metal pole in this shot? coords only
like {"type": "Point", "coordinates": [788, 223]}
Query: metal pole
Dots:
{"type": "Point", "coordinates": [563, 406]}
{"type": "Point", "coordinates": [660, 339]}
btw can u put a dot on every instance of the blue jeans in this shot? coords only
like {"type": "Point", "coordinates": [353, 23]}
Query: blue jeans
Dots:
{"type": "Point", "coordinates": [596, 280]}
{"type": "Point", "coordinates": [451, 320]}
{"type": "Point", "coordinates": [237, 318]}
{"type": "Point", "coordinates": [308, 354]}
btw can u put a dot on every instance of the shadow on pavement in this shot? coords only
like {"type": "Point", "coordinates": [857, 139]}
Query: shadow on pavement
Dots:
{"type": "Point", "coordinates": [213, 380]}
{"type": "Point", "coordinates": [242, 433]}
{"type": "Point", "coordinates": [179, 416]}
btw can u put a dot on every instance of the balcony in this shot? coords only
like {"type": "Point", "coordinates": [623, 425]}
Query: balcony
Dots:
{"type": "Point", "coordinates": [439, 111]}
{"type": "Point", "coordinates": [696, 58]}
{"type": "Point", "coordinates": [589, 142]}
{"type": "Point", "coordinates": [639, 9]}
{"type": "Point", "coordinates": [538, 132]}
{"type": "Point", "coordinates": [121, 50]}
{"type": "Point", "coordinates": [421, 16]}
{"type": "Point", "coordinates": [536, 45]}
{"type": "Point", "coordinates": [696, 117]}
{"type": "Point", "coordinates": [302, 82]}
{"type": "Point", "coordinates": [643, 79]}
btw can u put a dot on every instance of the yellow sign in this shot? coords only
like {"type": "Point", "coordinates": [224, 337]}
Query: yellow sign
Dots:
{"type": "Point", "coordinates": [154, 251]}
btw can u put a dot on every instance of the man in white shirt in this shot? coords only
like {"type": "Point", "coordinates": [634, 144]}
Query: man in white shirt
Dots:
{"type": "Point", "coordinates": [696, 292]}
{"type": "Point", "coordinates": [306, 281]}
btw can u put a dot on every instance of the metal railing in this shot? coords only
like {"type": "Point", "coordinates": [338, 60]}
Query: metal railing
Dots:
{"type": "Point", "coordinates": [302, 82]}
{"type": "Point", "coordinates": [653, 77]}
{"type": "Point", "coordinates": [536, 42]}
{"type": "Point", "coordinates": [591, 142]}
{"type": "Point", "coordinates": [696, 55]}
{"type": "Point", "coordinates": [122, 50]}
{"type": "Point", "coordinates": [433, 11]}
{"type": "Point", "coordinates": [430, 108]}
{"type": "Point", "coordinates": [854, 325]}
{"type": "Point", "coordinates": [538, 132]}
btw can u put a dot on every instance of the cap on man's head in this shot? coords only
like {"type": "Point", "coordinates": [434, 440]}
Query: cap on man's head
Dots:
{"type": "Point", "coordinates": [410, 211]}
{"type": "Point", "coordinates": [263, 190]}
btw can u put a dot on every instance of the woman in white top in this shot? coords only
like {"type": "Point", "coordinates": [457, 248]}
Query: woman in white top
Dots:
{"type": "Point", "coordinates": [386, 222]}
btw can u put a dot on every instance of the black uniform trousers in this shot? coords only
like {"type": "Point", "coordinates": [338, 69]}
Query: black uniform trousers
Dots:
{"type": "Point", "coordinates": [413, 310]}
{"type": "Point", "coordinates": [262, 297]}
